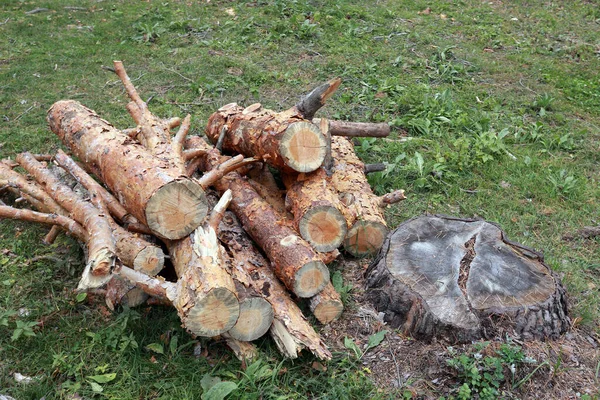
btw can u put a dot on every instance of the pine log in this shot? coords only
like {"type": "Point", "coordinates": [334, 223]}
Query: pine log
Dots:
{"type": "Point", "coordinates": [367, 226]}
{"type": "Point", "coordinates": [357, 129]}
{"type": "Point", "coordinates": [207, 301]}
{"type": "Point", "coordinates": [462, 280]}
{"type": "Point", "coordinates": [256, 313]}
{"type": "Point", "coordinates": [123, 292]}
{"type": "Point", "coordinates": [153, 190]}
{"type": "Point", "coordinates": [294, 261]}
{"type": "Point", "coordinates": [111, 202]}
{"type": "Point", "coordinates": [316, 207]}
{"type": "Point", "coordinates": [263, 181]}
{"type": "Point", "coordinates": [244, 351]}
{"type": "Point", "coordinates": [132, 250]}
{"type": "Point", "coordinates": [327, 306]}
{"type": "Point", "coordinates": [100, 244]}
{"type": "Point", "coordinates": [290, 329]}
{"type": "Point", "coordinates": [284, 140]}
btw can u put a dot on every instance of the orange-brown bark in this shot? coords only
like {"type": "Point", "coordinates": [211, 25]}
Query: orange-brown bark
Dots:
{"type": "Point", "coordinates": [284, 140]}
{"type": "Point", "coordinates": [154, 190]}
{"type": "Point", "coordinates": [290, 329]}
{"type": "Point", "coordinates": [367, 226]}
{"type": "Point", "coordinates": [101, 243]}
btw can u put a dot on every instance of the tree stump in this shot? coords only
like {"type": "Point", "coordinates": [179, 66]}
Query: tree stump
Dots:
{"type": "Point", "coordinates": [462, 280]}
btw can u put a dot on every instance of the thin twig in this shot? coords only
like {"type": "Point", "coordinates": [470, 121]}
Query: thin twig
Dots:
{"type": "Point", "coordinates": [23, 113]}
{"type": "Point", "coordinates": [177, 73]}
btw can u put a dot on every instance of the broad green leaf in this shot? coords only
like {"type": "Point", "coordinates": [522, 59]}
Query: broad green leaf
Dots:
{"type": "Point", "coordinates": [81, 297]}
{"type": "Point", "coordinates": [219, 391]}
{"type": "Point", "coordinates": [173, 345]}
{"type": "Point", "coordinates": [349, 344]}
{"type": "Point", "coordinates": [376, 339]}
{"type": "Point", "coordinates": [16, 334]}
{"type": "Point", "coordinates": [155, 347]}
{"type": "Point", "coordinates": [103, 378]}
{"type": "Point", "coordinates": [337, 281]}
{"type": "Point", "coordinates": [208, 382]}
{"type": "Point", "coordinates": [95, 387]}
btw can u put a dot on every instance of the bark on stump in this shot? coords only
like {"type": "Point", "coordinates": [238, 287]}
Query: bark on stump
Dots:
{"type": "Point", "coordinates": [463, 280]}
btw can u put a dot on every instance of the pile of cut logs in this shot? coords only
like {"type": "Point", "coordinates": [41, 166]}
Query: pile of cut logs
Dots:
{"type": "Point", "coordinates": [299, 195]}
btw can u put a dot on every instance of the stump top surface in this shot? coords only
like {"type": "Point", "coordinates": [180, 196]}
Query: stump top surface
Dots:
{"type": "Point", "coordinates": [459, 266]}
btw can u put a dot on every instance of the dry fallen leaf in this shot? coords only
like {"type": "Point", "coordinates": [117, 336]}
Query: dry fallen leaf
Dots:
{"type": "Point", "coordinates": [230, 11]}
{"type": "Point", "coordinates": [426, 11]}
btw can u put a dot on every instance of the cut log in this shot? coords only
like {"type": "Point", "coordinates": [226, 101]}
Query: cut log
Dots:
{"type": "Point", "coordinates": [113, 205]}
{"type": "Point", "coordinates": [327, 306]}
{"type": "Point", "coordinates": [367, 226]}
{"type": "Point", "coordinates": [244, 351]}
{"type": "Point", "coordinates": [284, 140]}
{"type": "Point", "coordinates": [290, 329]}
{"type": "Point", "coordinates": [294, 261]}
{"type": "Point", "coordinates": [123, 292]}
{"type": "Point", "coordinates": [256, 313]}
{"type": "Point", "coordinates": [152, 189]}
{"type": "Point", "coordinates": [100, 244]}
{"type": "Point", "coordinates": [463, 280]}
{"type": "Point", "coordinates": [207, 301]}
{"type": "Point", "coordinates": [316, 207]}
{"type": "Point", "coordinates": [357, 129]}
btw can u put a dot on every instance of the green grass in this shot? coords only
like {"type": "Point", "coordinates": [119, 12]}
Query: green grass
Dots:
{"type": "Point", "coordinates": [501, 102]}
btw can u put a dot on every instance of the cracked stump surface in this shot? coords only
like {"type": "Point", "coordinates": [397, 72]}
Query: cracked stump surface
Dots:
{"type": "Point", "coordinates": [463, 280]}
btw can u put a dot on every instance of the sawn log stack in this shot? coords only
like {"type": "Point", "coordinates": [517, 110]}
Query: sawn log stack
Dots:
{"type": "Point", "coordinates": [294, 186]}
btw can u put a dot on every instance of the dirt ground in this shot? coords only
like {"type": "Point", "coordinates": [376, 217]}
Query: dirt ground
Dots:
{"type": "Point", "coordinates": [564, 369]}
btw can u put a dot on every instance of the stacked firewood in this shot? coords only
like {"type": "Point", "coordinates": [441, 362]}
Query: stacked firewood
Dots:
{"type": "Point", "coordinates": [299, 195]}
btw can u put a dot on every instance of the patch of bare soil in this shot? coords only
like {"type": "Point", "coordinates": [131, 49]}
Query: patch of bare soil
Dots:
{"type": "Point", "coordinates": [568, 368]}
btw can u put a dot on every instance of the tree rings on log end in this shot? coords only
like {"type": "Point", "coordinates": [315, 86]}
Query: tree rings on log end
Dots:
{"type": "Point", "coordinates": [303, 147]}
{"type": "Point", "coordinates": [176, 209]}
{"type": "Point", "coordinates": [256, 316]}
{"type": "Point", "coordinates": [324, 227]}
{"type": "Point", "coordinates": [311, 279]}
{"type": "Point", "coordinates": [365, 238]}
{"type": "Point", "coordinates": [463, 280]}
{"type": "Point", "coordinates": [150, 260]}
{"type": "Point", "coordinates": [328, 310]}
{"type": "Point", "coordinates": [214, 314]}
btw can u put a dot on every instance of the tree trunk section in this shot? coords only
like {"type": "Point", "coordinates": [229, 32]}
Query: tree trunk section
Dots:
{"type": "Point", "coordinates": [284, 140]}
{"type": "Point", "coordinates": [316, 210]}
{"type": "Point", "coordinates": [327, 306]}
{"type": "Point", "coordinates": [206, 301]}
{"type": "Point", "coordinates": [442, 277]}
{"type": "Point", "coordinates": [290, 329]}
{"type": "Point", "coordinates": [367, 226]}
{"type": "Point", "coordinates": [153, 190]}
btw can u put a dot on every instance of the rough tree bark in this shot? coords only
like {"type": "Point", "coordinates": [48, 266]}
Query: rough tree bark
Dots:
{"type": "Point", "coordinates": [290, 329]}
{"type": "Point", "coordinates": [463, 280]}
{"type": "Point", "coordinates": [207, 301]}
{"type": "Point", "coordinates": [367, 226]}
{"type": "Point", "coordinates": [100, 244]}
{"type": "Point", "coordinates": [293, 259]}
{"type": "Point", "coordinates": [156, 192]}
{"type": "Point", "coordinates": [284, 140]}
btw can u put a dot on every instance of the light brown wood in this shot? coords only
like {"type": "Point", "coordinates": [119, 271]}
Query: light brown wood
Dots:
{"type": "Point", "coordinates": [290, 329]}
{"type": "Point", "coordinates": [154, 190]}
{"type": "Point", "coordinates": [316, 207]}
{"type": "Point", "coordinates": [284, 140]}
{"type": "Point", "coordinates": [367, 225]}
{"type": "Point", "coordinates": [327, 306]}
{"type": "Point", "coordinates": [357, 129]}
{"type": "Point", "coordinates": [207, 301]}
{"type": "Point", "coordinates": [100, 244]}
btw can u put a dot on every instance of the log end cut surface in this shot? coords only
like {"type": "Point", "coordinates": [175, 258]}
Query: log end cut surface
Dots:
{"type": "Point", "coordinates": [256, 317]}
{"type": "Point", "coordinates": [328, 310]}
{"type": "Point", "coordinates": [215, 314]}
{"type": "Point", "coordinates": [311, 279]}
{"type": "Point", "coordinates": [176, 209]}
{"type": "Point", "coordinates": [365, 238]}
{"type": "Point", "coordinates": [323, 227]}
{"type": "Point", "coordinates": [303, 147]}
{"type": "Point", "coordinates": [463, 280]}
{"type": "Point", "coordinates": [150, 260]}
